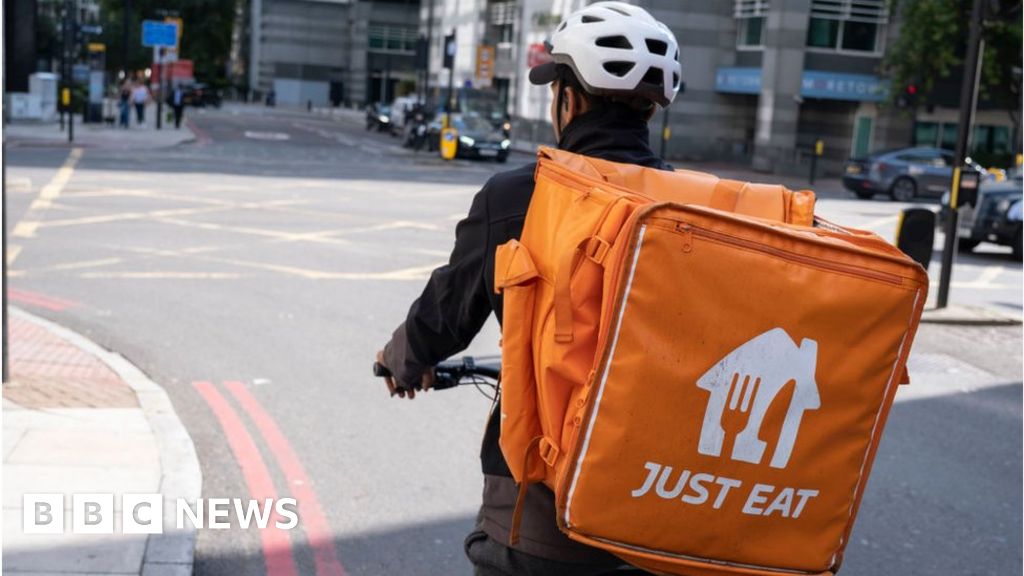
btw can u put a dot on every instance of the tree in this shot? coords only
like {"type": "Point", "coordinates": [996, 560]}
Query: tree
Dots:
{"type": "Point", "coordinates": [206, 39]}
{"type": "Point", "coordinates": [932, 42]}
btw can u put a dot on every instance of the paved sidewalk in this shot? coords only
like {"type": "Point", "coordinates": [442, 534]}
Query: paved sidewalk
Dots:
{"type": "Point", "coordinates": [78, 419]}
{"type": "Point", "coordinates": [34, 134]}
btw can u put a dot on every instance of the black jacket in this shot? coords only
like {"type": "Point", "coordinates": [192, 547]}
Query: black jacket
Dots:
{"type": "Point", "coordinates": [460, 296]}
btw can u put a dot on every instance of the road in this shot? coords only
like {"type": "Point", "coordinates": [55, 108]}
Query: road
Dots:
{"type": "Point", "coordinates": [270, 258]}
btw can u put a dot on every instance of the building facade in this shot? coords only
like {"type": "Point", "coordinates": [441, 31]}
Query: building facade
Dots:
{"type": "Point", "coordinates": [331, 51]}
{"type": "Point", "coordinates": [764, 79]}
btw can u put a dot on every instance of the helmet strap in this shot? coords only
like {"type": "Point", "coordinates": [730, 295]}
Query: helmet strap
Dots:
{"type": "Point", "coordinates": [558, 109]}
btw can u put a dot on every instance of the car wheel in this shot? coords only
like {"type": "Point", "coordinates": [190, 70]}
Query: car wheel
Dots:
{"type": "Point", "coordinates": [502, 158]}
{"type": "Point", "coordinates": [1017, 245]}
{"type": "Point", "coordinates": [903, 189]}
{"type": "Point", "coordinates": [967, 244]}
{"type": "Point", "coordinates": [864, 194]}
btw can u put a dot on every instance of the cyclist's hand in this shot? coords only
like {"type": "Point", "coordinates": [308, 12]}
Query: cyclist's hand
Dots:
{"type": "Point", "coordinates": [426, 381]}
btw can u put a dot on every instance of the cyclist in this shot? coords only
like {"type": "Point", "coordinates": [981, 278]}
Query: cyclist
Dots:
{"type": "Point", "coordinates": [611, 65]}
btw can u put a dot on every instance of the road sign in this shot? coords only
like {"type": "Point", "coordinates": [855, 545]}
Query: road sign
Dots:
{"type": "Point", "coordinates": [485, 64]}
{"type": "Point", "coordinates": [97, 47]}
{"type": "Point", "coordinates": [171, 54]}
{"type": "Point", "coordinates": [155, 33]}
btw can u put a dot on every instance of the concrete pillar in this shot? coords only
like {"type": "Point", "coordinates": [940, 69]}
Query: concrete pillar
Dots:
{"type": "Point", "coordinates": [255, 42]}
{"type": "Point", "coordinates": [778, 108]}
{"type": "Point", "coordinates": [358, 72]}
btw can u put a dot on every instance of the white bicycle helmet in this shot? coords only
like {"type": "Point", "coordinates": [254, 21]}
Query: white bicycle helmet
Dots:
{"type": "Point", "coordinates": [615, 49]}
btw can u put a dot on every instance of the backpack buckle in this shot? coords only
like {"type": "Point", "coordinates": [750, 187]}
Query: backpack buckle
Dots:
{"type": "Point", "coordinates": [596, 249]}
{"type": "Point", "coordinates": [548, 451]}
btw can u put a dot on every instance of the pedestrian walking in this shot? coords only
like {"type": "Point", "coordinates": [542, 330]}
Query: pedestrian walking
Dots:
{"type": "Point", "coordinates": [178, 104]}
{"type": "Point", "coordinates": [124, 103]}
{"type": "Point", "coordinates": [140, 97]}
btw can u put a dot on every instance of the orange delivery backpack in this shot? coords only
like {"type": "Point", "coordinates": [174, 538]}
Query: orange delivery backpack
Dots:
{"type": "Point", "coordinates": [698, 368]}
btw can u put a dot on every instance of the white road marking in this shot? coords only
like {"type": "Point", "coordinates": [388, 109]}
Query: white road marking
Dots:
{"type": "Point", "coordinates": [273, 136]}
{"type": "Point", "coordinates": [12, 253]}
{"type": "Point", "coordinates": [987, 275]}
{"type": "Point", "coordinates": [18, 184]}
{"type": "Point", "coordinates": [414, 273]}
{"type": "Point", "coordinates": [287, 236]}
{"type": "Point", "coordinates": [162, 275]}
{"type": "Point", "coordinates": [25, 229]}
{"type": "Point", "coordinates": [878, 223]}
{"type": "Point", "coordinates": [396, 225]}
{"type": "Point", "coordinates": [77, 265]}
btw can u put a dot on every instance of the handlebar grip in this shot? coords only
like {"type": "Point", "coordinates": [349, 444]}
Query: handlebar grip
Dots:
{"type": "Point", "coordinates": [443, 383]}
{"type": "Point", "coordinates": [380, 370]}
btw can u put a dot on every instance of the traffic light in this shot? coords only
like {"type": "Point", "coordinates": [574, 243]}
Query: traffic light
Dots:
{"type": "Point", "coordinates": [909, 97]}
{"type": "Point", "coordinates": [449, 51]}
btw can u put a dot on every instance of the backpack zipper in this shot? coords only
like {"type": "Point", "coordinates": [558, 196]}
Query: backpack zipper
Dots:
{"type": "Point", "coordinates": [687, 230]}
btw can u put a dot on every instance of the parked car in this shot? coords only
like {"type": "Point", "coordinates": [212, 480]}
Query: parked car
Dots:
{"type": "Point", "coordinates": [995, 218]}
{"type": "Point", "coordinates": [200, 95]}
{"type": "Point", "coordinates": [904, 174]}
{"type": "Point", "coordinates": [378, 116]}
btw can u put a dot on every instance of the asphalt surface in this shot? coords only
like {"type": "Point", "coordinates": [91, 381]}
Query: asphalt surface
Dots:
{"type": "Point", "coordinates": [279, 249]}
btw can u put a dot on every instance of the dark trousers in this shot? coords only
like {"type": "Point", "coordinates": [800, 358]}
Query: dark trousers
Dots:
{"type": "Point", "coordinates": [492, 558]}
{"type": "Point", "coordinates": [178, 112]}
{"type": "Point", "coordinates": [140, 113]}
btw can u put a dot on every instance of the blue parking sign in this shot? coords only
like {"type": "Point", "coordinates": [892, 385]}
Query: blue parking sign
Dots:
{"type": "Point", "coordinates": [156, 33]}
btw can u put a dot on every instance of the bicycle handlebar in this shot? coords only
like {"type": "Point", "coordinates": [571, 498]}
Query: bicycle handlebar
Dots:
{"type": "Point", "coordinates": [452, 373]}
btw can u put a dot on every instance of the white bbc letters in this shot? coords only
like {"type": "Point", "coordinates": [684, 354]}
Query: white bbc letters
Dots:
{"type": "Point", "coordinates": [142, 514]}
{"type": "Point", "coordinates": [43, 513]}
{"type": "Point", "coordinates": [92, 513]}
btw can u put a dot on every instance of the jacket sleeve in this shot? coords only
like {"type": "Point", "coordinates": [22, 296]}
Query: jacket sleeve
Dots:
{"type": "Point", "coordinates": [452, 308]}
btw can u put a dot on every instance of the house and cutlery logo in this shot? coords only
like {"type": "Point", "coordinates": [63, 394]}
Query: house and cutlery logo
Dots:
{"type": "Point", "coordinates": [745, 383]}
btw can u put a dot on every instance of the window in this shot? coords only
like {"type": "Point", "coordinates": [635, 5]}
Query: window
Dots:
{"type": "Point", "coordinates": [926, 134]}
{"type": "Point", "coordinates": [847, 26]}
{"type": "Point", "coordinates": [751, 33]}
{"type": "Point", "coordinates": [860, 36]}
{"type": "Point", "coordinates": [991, 140]}
{"type": "Point", "coordinates": [823, 33]}
{"type": "Point", "coordinates": [389, 38]}
{"type": "Point", "coordinates": [750, 17]}
{"type": "Point", "coordinates": [948, 139]}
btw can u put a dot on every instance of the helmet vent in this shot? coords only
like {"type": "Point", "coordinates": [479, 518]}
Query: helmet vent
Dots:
{"type": "Point", "coordinates": [619, 69]}
{"type": "Point", "coordinates": [653, 77]}
{"type": "Point", "coordinates": [617, 9]}
{"type": "Point", "coordinates": [675, 80]}
{"type": "Point", "coordinates": [619, 42]}
{"type": "Point", "coordinates": [658, 47]}
{"type": "Point", "coordinates": [562, 27]}
{"type": "Point", "coordinates": [588, 19]}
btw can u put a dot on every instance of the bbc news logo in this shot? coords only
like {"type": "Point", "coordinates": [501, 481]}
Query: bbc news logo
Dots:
{"type": "Point", "coordinates": [144, 513]}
